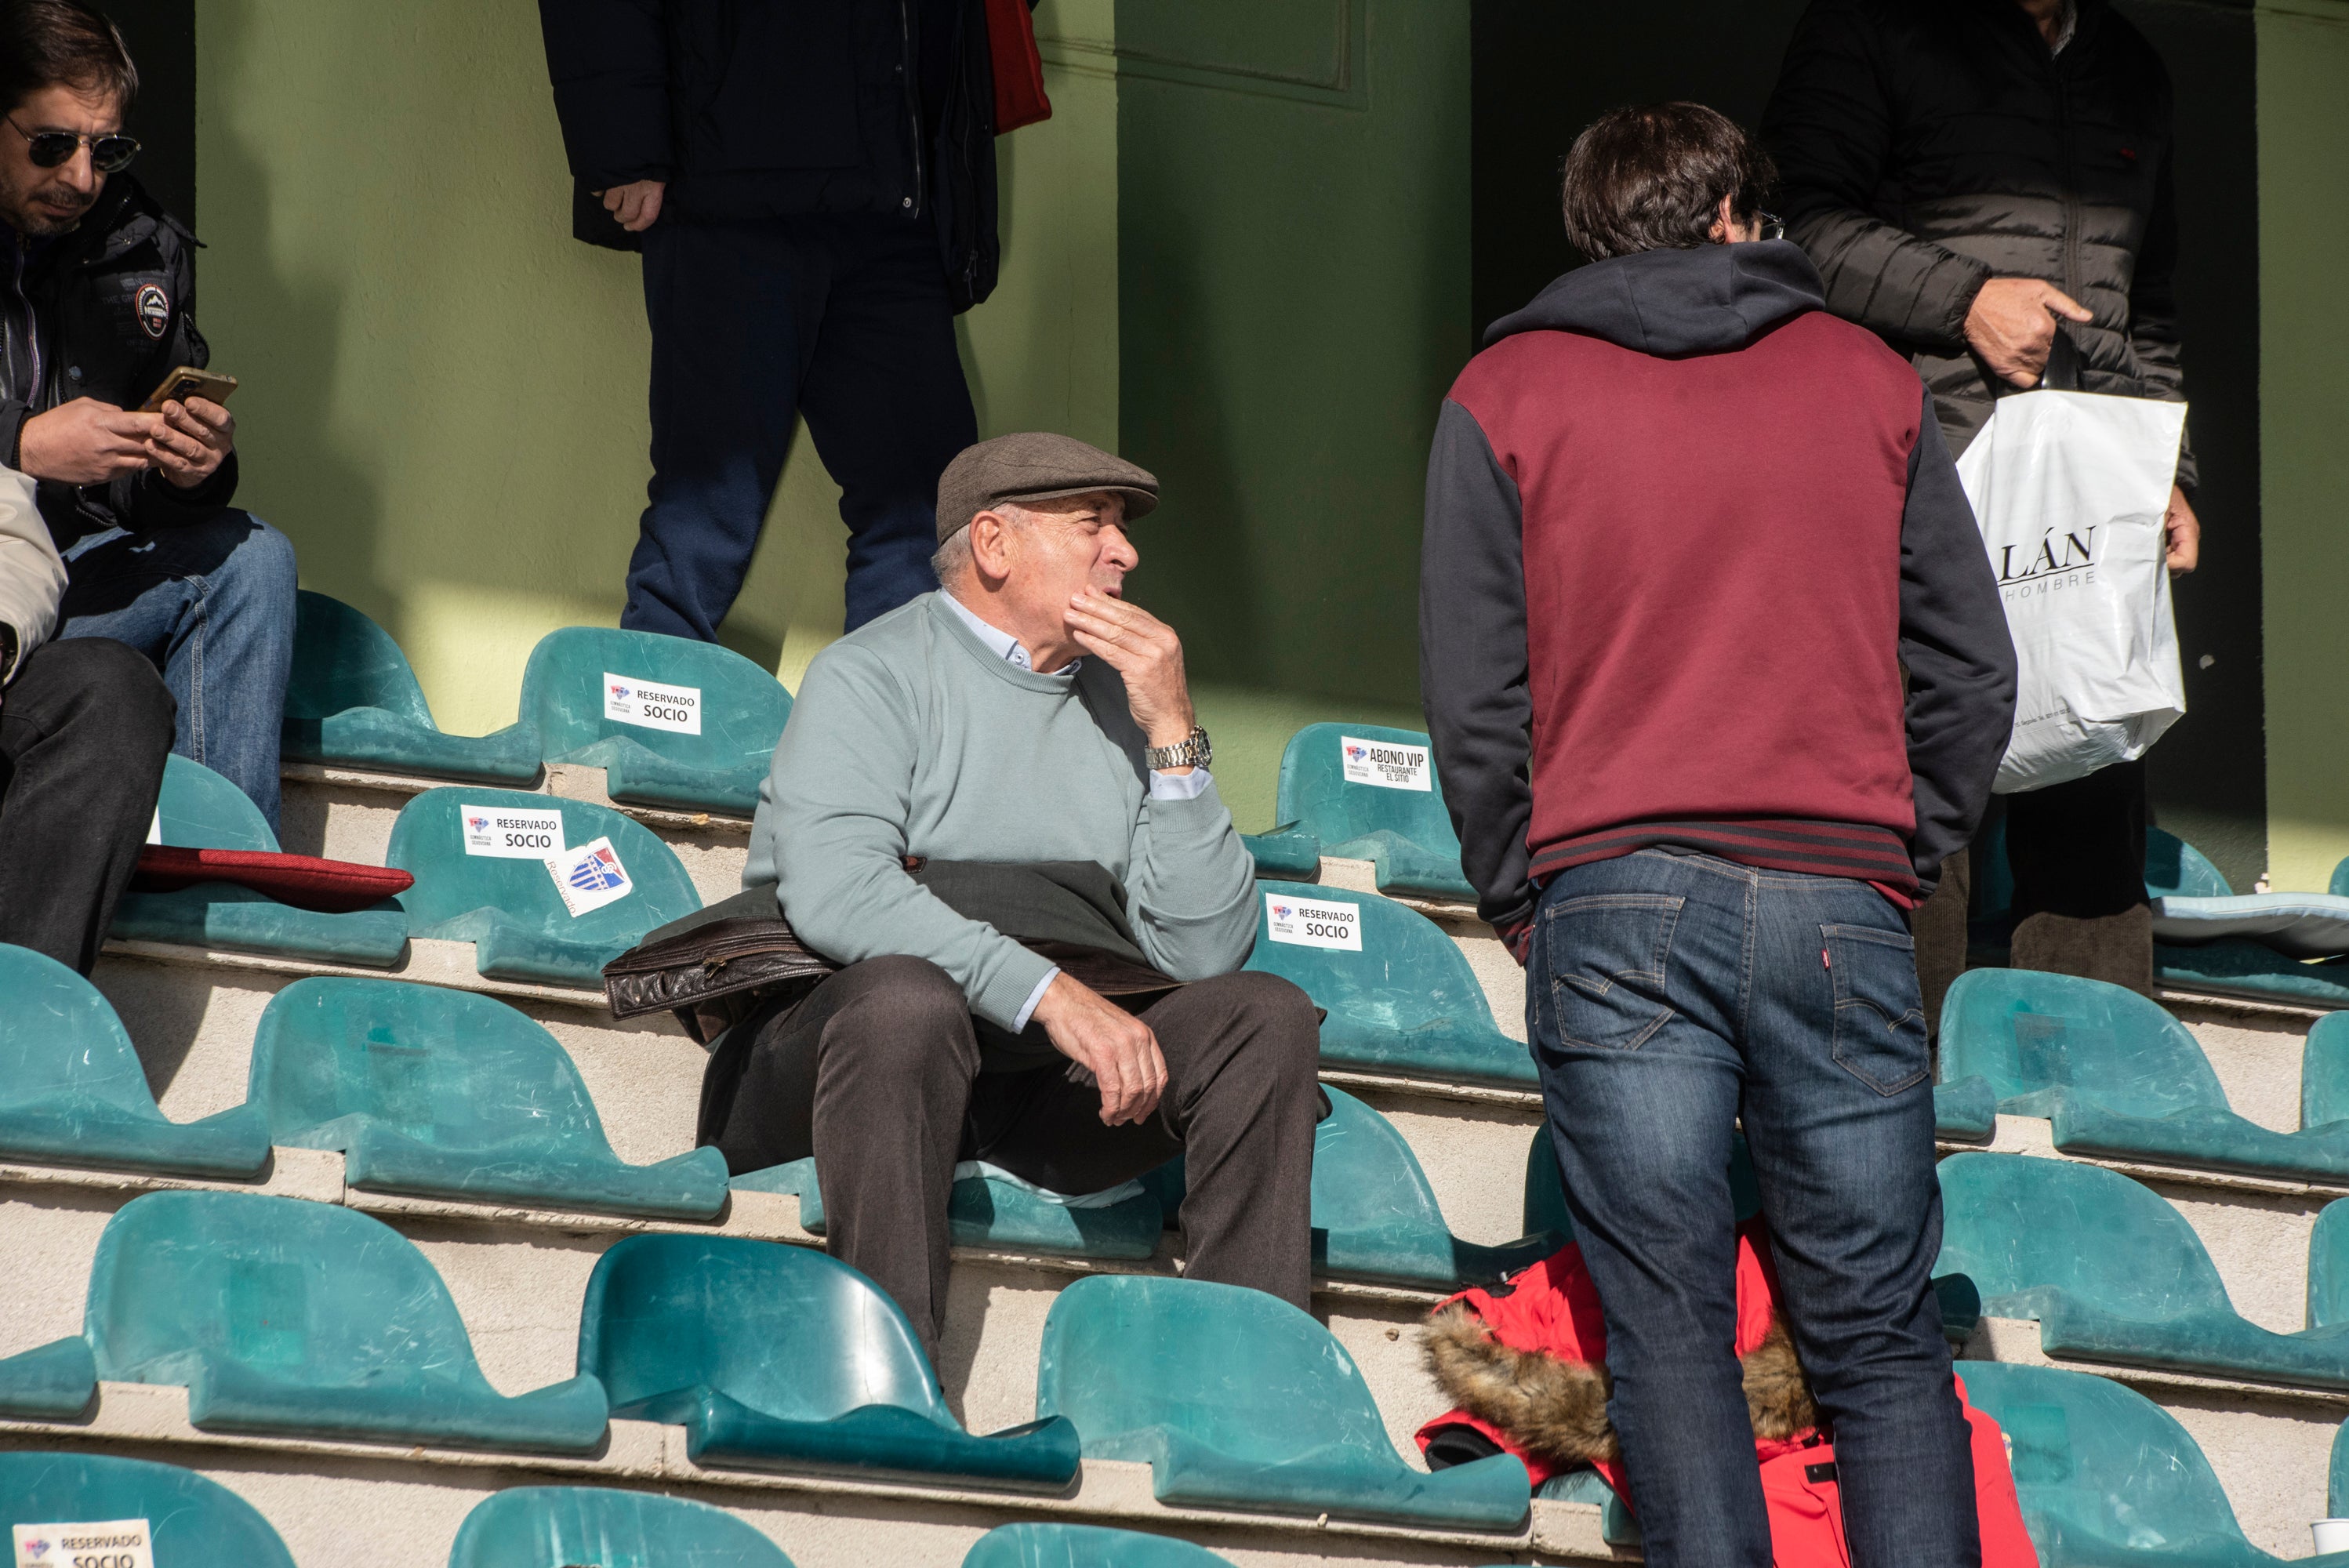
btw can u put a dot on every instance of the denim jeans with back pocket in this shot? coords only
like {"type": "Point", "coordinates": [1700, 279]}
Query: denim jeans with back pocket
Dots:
{"type": "Point", "coordinates": [1671, 996]}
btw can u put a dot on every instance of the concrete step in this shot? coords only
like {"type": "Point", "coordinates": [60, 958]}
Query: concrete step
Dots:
{"type": "Point", "coordinates": [348, 1505]}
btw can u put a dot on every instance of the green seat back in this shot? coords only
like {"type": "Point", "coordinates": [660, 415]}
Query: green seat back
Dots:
{"type": "Point", "coordinates": [343, 660]}
{"type": "Point", "coordinates": [547, 1526]}
{"type": "Point", "coordinates": [2324, 1072]}
{"type": "Point", "coordinates": [280, 1313]}
{"type": "Point", "coordinates": [464, 897]}
{"type": "Point", "coordinates": [2017, 1225]}
{"type": "Point", "coordinates": [1238, 1397]}
{"type": "Point", "coordinates": [453, 1093]}
{"type": "Point", "coordinates": [198, 809]}
{"type": "Point", "coordinates": [741, 711]}
{"type": "Point", "coordinates": [2104, 1474]}
{"type": "Point", "coordinates": [1375, 1216]}
{"type": "Point", "coordinates": [1407, 1001]}
{"type": "Point", "coordinates": [191, 1520]}
{"type": "Point", "coordinates": [1406, 831]}
{"type": "Point", "coordinates": [2176, 869]}
{"type": "Point", "coordinates": [2026, 1032]}
{"type": "Point", "coordinates": [1083, 1546]}
{"type": "Point", "coordinates": [73, 1090]}
{"type": "Point", "coordinates": [784, 1330]}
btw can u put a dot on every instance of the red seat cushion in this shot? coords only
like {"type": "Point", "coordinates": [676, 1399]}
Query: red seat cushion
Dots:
{"type": "Point", "coordinates": [305, 882]}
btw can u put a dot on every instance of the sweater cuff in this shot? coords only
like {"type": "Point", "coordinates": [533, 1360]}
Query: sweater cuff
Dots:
{"type": "Point", "coordinates": [1005, 998]}
{"type": "Point", "coordinates": [1518, 936]}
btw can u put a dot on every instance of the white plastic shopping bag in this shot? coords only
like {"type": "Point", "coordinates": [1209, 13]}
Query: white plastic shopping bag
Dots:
{"type": "Point", "coordinates": [2070, 489]}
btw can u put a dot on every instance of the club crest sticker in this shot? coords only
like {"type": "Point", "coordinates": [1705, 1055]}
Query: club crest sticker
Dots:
{"type": "Point", "coordinates": [1385, 763]}
{"type": "Point", "coordinates": [1313, 923]}
{"type": "Point", "coordinates": [154, 307]}
{"type": "Point", "coordinates": [652, 704]}
{"type": "Point", "coordinates": [590, 876]}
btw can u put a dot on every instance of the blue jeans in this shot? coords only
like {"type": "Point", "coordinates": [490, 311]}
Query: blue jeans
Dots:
{"type": "Point", "coordinates": [845, 320]}
{"type": "Point", "coordinates": [211, 604]}
{"type": "Point", "coordinates": [1670, 996]}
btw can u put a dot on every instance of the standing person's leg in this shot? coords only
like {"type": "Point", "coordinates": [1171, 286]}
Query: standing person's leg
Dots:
{"type": "Point", "coordinates": [733, 308]}
{"type": "Point", "coordinates": [84, 729]}
{"type": "Point", "coordinates": [870, 1074]}
{"type": "Point", "coordinates": [2078, 854]}
{"type": "Point", "coordinates": [212, 605]}
{"type": "Point", "coordinates": [1242, 1096]}
{"type": "Point", "coordinates": [888, 408]}
{"type": "Point", "coordinates": [1632, 996]}
{"type": "Point", "coordinates": [1838, 1114]}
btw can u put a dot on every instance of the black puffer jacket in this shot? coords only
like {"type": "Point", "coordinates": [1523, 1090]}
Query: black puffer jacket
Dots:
{"type": "Point", "coordinates": [115, 300]}
{"type": "Point", "coordinates": [757, 109]}
{"type": "Point", "coordinates": [1928, 146]}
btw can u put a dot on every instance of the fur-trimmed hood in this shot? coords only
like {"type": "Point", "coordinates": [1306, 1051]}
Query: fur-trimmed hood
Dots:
{"type": "Point", "coordinates": [1556, 1408]}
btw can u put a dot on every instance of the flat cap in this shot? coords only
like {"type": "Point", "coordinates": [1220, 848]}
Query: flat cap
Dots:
{"type": "Point", "coordinates": [1036, 465]}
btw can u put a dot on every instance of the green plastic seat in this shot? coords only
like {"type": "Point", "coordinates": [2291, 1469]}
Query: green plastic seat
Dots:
{"type": "Point", "coordinates": [2193, 904]}
{"type": "Point", "coordinates": [73, 1091]}
{"type": "Point", "coordinates": [308, 1319]}
{"type": "Point", "coordinates": [452, 1094]}
{"type": "Point", "coordinates": [2106, 1478]}
{"type": "Point", "coordinates": [1406, 833]}
{"type": "Point", "coordinates": [2117, 1074]}
{"type": "Point", "coordinates": [1406, 1004]}
{"type": "Point", "coordinates": [776, 1358]}
{"type": "Point", "coordinates": [198, 809]}
{"type": "Point", "coordinates": [1237, 1400]}
{"type": "Point", "coordinates": [1084, 1546]}
{"type": "Point", "coordinates": [1287, 852]}
{"type": "Point", "coordinates": [510, 909]}
{"type": "Point", "coordinates": [1375, 1217]}
{"type": "Point", "coordinates": [740, 714]}
{"type": "Point", "coordinates": [353, 700]}
{"type": "Point", "coordinates": [545, 1526]}
{"type": "Point", "coordinates": [2113, 1273]}
{"type": "Point", "coordinates": [191, 1520]}
{"type": "Point", "coordinates": [984, 1211]}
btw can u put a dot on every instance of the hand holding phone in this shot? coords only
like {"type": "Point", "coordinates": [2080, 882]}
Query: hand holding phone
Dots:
{"type": "Point", "coordinates": [187, 382]}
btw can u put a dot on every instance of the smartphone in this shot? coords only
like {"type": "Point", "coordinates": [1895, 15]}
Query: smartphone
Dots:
{"type": "Point", "coordinates": [188, 382]}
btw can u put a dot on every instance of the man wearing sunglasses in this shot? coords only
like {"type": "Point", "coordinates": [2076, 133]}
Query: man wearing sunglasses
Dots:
{"type": "Point", "coordinates": [96, 294]}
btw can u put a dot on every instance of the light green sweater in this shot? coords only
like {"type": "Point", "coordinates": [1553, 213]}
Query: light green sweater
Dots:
{"type": "Point", "coordinates": [910, 737]}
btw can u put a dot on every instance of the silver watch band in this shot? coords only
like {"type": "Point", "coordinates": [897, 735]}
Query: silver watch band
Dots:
{"type": "Point", "coordinates": [1192, 752]}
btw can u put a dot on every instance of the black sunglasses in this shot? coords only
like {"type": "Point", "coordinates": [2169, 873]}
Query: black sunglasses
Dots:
{"type": "Point", "coordinates": [107, 154]}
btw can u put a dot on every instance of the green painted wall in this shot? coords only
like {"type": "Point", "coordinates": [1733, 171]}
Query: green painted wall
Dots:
{"type": "Point", "coordinates": [2304, 472]}
{"type": "Point", "coordinates": [444, 395]}
{"type": "Point", "coordinates": [1293, 249]}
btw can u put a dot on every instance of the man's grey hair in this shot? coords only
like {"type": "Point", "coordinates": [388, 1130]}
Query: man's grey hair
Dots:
{"type": "Point", "coordinates": [953, 558]}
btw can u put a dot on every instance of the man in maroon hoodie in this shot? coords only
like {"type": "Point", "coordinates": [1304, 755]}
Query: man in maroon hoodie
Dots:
{"type": "Point", "coordinates": [1717, 673]}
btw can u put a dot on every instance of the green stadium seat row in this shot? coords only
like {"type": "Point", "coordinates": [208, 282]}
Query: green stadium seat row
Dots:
{"type": "Point", "coordinates": [190, 1520]}
{"type": "Point", "coordinates": [2119, 1076]}
{"type": "Point", "coordinates": [2113, 1273]}
{"type": "Point", "coordinates": [442, 1093]}
{"type": "Point", "coordinates": [308, 1320]}
{"type": "Point", "coordinates": [1364, 792]}
{"type": "Point", "coordinates": [672, 722]}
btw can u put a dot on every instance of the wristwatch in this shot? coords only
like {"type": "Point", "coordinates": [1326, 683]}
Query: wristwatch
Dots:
{"type": "Point", "coordinates": [1193, 751]}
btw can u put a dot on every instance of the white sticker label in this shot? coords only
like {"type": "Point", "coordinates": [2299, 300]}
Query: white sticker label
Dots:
{"type": "Point", "coordinates": [1310, 923]}
{"type": "Point", "coordinates": [590, 876]}
{"type": "Point", "coordinates": [1384, 764]}
{"type": "Point", "coordinates": [155, 826]}
{"type": "Point", "coordinates": [109, 1543]}
{"type": "Point", "coordinates": [628, 700]}
{"type": "Point", "coordinates": [511, 833]}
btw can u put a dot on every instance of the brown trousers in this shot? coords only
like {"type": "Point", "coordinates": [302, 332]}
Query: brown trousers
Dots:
{"type": "Point", "coordinates": [876, 1073]}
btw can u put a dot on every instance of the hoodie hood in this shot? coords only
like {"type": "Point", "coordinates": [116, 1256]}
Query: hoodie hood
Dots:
{"type": "Point", "coordinates": [1705, 300]}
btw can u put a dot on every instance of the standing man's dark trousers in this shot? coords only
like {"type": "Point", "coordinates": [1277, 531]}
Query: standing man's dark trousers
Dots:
{"type": "Point", "coordinates": [2078, 854]}
{"type": "Point", "coordinates": [877, 1075]}
{"type": "Point", "coordinates": [845, 320]}
{"type": "Point", "coordinates": [1670, 998]}
{"type": "Point", "coordinates": [84, 729]}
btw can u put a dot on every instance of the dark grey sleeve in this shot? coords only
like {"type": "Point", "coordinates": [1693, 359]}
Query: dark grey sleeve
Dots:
{"type": "Point", "coordinates": [1955, 646]}
{"type": "Point", "coordinates": [1473, 663]}
{"type": "Point", "coordinates": [1829, 125]}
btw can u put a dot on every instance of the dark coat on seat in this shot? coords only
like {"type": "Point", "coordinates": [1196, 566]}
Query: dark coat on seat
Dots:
{"type": "Point", "coordinates": [1927, 146]}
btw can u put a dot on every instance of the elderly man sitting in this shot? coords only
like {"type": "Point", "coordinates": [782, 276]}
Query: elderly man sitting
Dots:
{"type": "Point", "coordinates": [1024, 722]}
